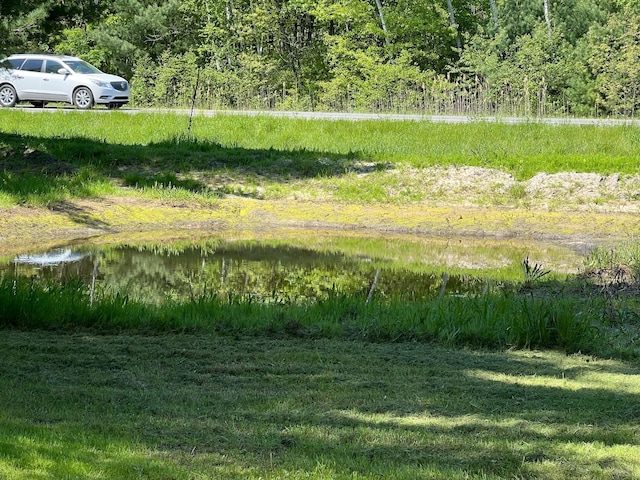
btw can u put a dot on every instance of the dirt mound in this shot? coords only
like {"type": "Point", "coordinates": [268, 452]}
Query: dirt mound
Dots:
{"type": "Point", "coordinates": [558, 190]}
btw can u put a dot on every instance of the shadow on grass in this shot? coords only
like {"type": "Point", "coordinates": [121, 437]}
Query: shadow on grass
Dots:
{"type": "Point", "coordinates": [170, 163]}
{"type": "Point", "coordinates": [184, 406]}
{"type": "Point", "coordinates": [80, 215]}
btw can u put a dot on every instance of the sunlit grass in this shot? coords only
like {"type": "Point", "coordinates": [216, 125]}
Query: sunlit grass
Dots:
{"type": "Point", "coordinates": [626, 254]}
{"type": "Point", "coordinates": [6, 200]}
{"type": "Point", "coordinates": [34, 189]}
{"type": "Point", "coordinates": [523, 149]}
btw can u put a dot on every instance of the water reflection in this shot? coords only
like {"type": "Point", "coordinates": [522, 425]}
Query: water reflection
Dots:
{"type": "Point", "coordinates": [260, 271]}
{"type": "Point", "coordinates": [56, 257]}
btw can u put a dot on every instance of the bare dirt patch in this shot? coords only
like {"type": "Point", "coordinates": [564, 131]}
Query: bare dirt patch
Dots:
{"type": "Point", "coordinates": [559, 191]}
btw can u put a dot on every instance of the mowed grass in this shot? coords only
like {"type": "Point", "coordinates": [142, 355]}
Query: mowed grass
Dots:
{"type": "Point", "coordinates": [180, 406]}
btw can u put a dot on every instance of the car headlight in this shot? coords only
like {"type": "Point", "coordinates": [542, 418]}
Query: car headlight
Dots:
{"type": "Point", "coordinates": [100, 83]}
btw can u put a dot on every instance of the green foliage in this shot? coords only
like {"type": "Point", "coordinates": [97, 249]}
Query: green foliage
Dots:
{"type": "Point", "coordinates": [510, 58]}
{"type": "Point", "coordinates": [613, 56]}
{"type": "Point", "coordinates": [531, 72]}
{"type": "Point", "coordinates": [533, 273]}
{"type": "Point", "coordinates": [134, 28]}
{"type": "Point", "coordinates": [80, 41]}
{"type": "Point", "coordinates": [36, 25]}
{"type": "Point", "coordinates": [627, 254]}
{"type": "Point", "coordinates": [363, 81]}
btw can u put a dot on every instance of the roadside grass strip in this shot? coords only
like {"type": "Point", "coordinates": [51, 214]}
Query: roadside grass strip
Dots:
{"type": "Point", "coordinates": [87, 155]}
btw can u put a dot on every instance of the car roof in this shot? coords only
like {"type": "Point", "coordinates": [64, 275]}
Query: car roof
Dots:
{"type": "Point", "coordinates": [42, 55]}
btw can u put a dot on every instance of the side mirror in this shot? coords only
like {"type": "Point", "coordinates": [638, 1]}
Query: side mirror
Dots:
{"type": "Point", "coordinates": [63, 71]}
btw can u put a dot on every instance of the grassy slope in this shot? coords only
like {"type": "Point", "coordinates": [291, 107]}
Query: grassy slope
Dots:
{"type": "Point", "coordinates": [182, 407]}
{"type": "Point", "coordinates": [523, 149]}
{"type": "Point", "coordinates": [368, 174]}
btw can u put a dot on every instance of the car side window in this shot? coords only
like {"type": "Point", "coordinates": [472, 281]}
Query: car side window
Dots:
{"type": "Point", "coordinates": [52, 66]}
{"type": "Point", "coordinates": [12, 63]}
{"type": "Point", "coordinates": [32, 65]}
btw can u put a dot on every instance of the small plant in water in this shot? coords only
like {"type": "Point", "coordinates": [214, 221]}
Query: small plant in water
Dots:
{"type": "Point", "coordinates": [532, 273]}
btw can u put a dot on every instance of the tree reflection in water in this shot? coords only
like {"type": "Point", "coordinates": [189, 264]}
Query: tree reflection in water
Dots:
{"type": "Point", "coordinates": [265, 272]}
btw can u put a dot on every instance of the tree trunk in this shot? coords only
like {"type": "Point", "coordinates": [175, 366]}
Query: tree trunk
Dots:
{"type": "Point", "coordinates": [494, 12]}
{"type": "Point", "coordinates": [383, 23]}
{"type": "Point", "coordinates": [547, 17]}
{"type": "Point", "coordinates": [228, 11]}
{"type": "Point", "coordinates": [452, 22]}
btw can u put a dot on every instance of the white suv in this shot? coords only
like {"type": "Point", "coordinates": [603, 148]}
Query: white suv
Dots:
{"type": "Point", "coordinates": [40, 79]}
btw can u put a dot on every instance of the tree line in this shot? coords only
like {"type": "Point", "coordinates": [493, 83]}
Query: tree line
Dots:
{"type": "Point", "coordinates": [512, 57]}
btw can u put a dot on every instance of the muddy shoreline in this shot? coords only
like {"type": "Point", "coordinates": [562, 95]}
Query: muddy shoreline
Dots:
{"type": "Point", "coordinates": [113, 218]}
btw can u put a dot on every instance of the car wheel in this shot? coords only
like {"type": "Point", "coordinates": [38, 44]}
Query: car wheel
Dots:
{"type": "Point", "coordinates": [8, 96]}
{"type": "Point", "coordinates": [83, 98]}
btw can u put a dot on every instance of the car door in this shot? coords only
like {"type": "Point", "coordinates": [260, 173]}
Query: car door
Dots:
{"type": "Point", "coordinates": [28, 83]}
{"type": "Point", "coordinates": [8, 68]}
{"type": "Point", "coordinates": [56, 86]}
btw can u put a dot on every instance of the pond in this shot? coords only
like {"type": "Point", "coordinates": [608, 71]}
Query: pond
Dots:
{"type": "Point", "coordinates": [293, 269]}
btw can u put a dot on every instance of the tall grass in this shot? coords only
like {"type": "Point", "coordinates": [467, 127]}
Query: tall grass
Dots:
{"type": "Point", "coordinates": [625, 254]}
{"type": "Point", "coordinates": [490, 321]}
{"type": "Point", "coordinates": [93, 154]}
{"type": "Point", "coordinates": [523, 149]}
{"type": "Point", "coordinates": [43, 189]}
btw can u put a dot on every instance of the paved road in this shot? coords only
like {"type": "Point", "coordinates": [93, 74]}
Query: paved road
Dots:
{"type": "Point", "coordinates": [403, 117]}
{"type": "Point", "coordinates": [366, 116]}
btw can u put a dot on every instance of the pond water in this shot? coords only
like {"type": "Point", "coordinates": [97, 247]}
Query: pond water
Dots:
{"type": "Point", "coordinates": [293, 269]}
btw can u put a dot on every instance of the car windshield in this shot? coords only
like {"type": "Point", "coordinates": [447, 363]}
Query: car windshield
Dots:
{"type": "Point", "coordinates": [80, 66]}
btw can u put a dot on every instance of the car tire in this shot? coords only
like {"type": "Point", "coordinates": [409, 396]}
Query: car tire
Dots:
{"type": "Point", "coordinates": [8, 96]}
{"type": "Point", "coordinates": [83, 98]}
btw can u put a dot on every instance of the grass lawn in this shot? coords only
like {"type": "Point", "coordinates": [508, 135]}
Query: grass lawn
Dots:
{"type": "Point", "coordinates": [178, 406]}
